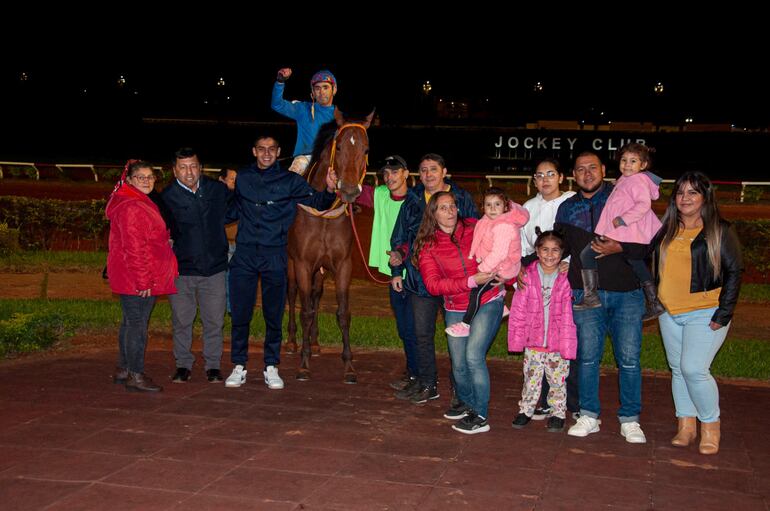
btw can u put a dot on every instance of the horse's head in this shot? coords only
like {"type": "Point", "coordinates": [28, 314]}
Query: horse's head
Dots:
{"type": "Point", "coordinates": [349, 155]}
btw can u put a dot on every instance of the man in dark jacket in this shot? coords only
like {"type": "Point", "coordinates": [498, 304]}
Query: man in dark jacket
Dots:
{"type": "Point", "coordinates": [197, 207]}
{"type": "Point", "coordinates": [266, 198]}
{"type": "Point", "coordinates": [620, 314]}
{"type": "Point", "coordinates": [424, 305]}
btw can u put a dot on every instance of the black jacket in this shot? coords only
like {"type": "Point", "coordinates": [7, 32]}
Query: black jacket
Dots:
{"type": "Point", "coordinates": [198, 226]}
{"type": "Point", "coordinates": [702, 277]}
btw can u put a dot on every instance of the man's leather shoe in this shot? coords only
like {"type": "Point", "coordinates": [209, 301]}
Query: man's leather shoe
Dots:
{"type": "Point", "coordinates": [139, 382]}
{"type": "Point", "coordinates": [214, 375]}
{"type": "Point", "coordinates": [182, 375]}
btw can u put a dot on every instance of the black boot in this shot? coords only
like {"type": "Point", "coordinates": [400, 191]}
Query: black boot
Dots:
{"type": "Point", "coordinates": [139, 382]}
{"type": "Point", "coordinates": [590, 296]}
{"type": "Point", "coordinates": [653, 305]}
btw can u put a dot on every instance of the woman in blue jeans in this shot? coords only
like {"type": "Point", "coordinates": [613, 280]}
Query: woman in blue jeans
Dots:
{"type": "Point", "coordinates": [699, 271]}
{"type": "Point", "coordinates": [441, 254]}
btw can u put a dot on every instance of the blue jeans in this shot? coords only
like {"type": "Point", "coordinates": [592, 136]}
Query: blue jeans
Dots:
{"type": "Point", "coordinates": [691, 346]}
{"type": "Point", "coordinates": [402, 310]}
{"type": "Point", "coordinates": [621, 316]}
{"type": "Point", "coordinates": [469, 355]}
{"type": "Point", "coordinates": [132, 337]}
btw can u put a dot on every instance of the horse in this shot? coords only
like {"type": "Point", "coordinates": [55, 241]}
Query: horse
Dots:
{"type": "Point", "coordinates": [325, 241]}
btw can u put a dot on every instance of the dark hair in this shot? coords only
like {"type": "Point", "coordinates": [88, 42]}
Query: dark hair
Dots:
{"type": "Point", "coordinates": [552, 161]}
{"type": "Point", "coordinates": [709, 213]}
{"type": "Point", "coordinates": [224, 170]}
{"type": "Point", "coordinates": [549, 235]}
{"type": "Point", "coordinates": [264, 137]}
{"type": "Point", "coordinates": [645, 153]}
{"type": "Point", "coordinates": [136, 165]}
{"type": "Point", "coordinates": [588, 153]}
{"type": "Point", "coordinates": [496, 192]}
{"type": "Point", "coordinates": [428, 226]}
{"type": "Point", "coordinates": [434, 157]}
{"type": "Point", "coordinates": [184, 152]}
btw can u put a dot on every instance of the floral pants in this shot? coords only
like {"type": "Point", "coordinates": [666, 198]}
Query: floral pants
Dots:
{"type": "Point", "coordinates": [556, 370]}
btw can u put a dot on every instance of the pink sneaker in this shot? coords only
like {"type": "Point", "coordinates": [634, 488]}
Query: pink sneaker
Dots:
{"type": "Point", "coordinates": [459, 329]}
{"type": "Point", "coordinates": [506, 311]}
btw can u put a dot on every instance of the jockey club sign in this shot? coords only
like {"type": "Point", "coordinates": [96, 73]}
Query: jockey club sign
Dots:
{"type": "Point", "coordinates": [558, 143]}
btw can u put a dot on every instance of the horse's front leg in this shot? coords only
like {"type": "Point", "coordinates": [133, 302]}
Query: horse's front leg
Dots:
{"type": "Point", "coordinates": [342, 287]}
{"type": "Point", "coordinates": [318, 289]}
{"type": "Point", "coordinates": [291, 296]}
{"type": "Point", "coordinates": [304, 285]}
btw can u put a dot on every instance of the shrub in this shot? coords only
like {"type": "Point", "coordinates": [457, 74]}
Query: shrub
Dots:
{"type": "Point", "coordinates": [24, 333]}
{"type": "Point", "coordinates": [9, 240]}
{"type": "Point", "coordinates": [752, 194]}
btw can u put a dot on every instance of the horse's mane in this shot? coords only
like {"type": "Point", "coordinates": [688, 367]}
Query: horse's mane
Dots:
{"type": "Point", "coordinates": [325, 135]}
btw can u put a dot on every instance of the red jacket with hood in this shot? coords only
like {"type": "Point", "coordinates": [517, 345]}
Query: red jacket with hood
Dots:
{"type": "Point", "coordinates": [140, 256]}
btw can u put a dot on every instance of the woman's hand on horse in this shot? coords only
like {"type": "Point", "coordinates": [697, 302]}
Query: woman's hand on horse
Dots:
{"type": "Point", "coordinates": [397, 283]}
{"type": "Point", "coordinates": [483, 277]}
{"type": "Point", "coordinates": [331, 180]}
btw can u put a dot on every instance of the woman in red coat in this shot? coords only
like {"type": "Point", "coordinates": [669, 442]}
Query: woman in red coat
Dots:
{"type": "Point", "coordinates": [441, 253]}
{"type": "Point", "coordinates": [140, 266]}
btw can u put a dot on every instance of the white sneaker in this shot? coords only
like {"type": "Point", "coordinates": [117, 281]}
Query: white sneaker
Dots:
{"type": "Point", "coordinates": [237, 377]}
{"type": "Point", "coordinates": [272, 380]}
{"type": "Point", "coordinates": [633, 433]}
{"type": "Point", "coordinates": [584, 426]}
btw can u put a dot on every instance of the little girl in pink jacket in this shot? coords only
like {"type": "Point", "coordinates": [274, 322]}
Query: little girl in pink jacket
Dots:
{"type": "Point", "coordinates": [496, 247]}
{"type": "Point", "coordinates": [541, 325]}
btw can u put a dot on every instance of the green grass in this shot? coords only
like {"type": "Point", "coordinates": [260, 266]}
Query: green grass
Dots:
{"type": "Point", "coordinates": [38, 261]}
{"type": "Point", "coordinates": [756, 293]}
{"type": "Point", "coordinates": [741, 358]}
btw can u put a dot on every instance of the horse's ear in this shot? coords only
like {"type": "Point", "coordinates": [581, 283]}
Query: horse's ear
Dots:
{"type": "Point", "coordinates": [368, 120]}
{"type": "Point", "coordinates": [338, 117]}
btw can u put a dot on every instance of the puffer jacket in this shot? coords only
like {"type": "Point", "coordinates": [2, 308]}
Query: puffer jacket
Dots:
{"type": "Point", "coordinates": [526, 323]}
{"type": "Point", "coordinates": [445, 267]}
{"type": "Point", "coordinates": [497, 243]}
{"type": "Point", "coordinates": [140, 256]}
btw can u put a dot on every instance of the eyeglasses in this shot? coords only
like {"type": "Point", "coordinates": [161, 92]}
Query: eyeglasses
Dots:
{"type": "Point", "coordinates": [144, 179]}
{"type": "Point", "coordinates": [550, 174]}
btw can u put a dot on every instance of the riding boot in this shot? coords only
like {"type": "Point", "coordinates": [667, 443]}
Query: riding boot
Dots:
{"type": "Point", "coordinates": [139, 382]}
{"type": "Point", "coordinates": [590, 296]}
{"type": "Point", "coordinates": [653, 306]}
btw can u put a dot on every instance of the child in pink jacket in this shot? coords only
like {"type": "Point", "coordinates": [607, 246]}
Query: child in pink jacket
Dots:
{"type": "Point", "coordinates": [541, 325]}
{"type": "Point", "coordinates": [627, 217]}
{"type": "Point", "coordinates": [496, 247]}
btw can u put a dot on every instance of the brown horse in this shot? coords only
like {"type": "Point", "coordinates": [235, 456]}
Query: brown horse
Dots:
{"type": "Point", "coordinates": [326, 241]}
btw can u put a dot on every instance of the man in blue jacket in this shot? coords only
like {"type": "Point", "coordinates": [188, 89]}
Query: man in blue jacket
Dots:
{"type": "Point", "coordinates": [266, 198]}
{"type": "Point", "coordinates": [424, 305]}
{"type": "Point", "coordinates": [310, 116]}
{"type": "Point", "coordinates": [197, 206]}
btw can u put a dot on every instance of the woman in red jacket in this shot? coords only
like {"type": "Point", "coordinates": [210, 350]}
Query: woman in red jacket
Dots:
{"type": "Point", "coordinates": [140, 266]}
{"type": "Point", "coordinates": [441, 254]}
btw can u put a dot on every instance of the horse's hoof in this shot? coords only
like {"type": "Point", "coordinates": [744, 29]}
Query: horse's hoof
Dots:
{"type": "Point", "coordinates": [315, 349]}
{"type": "Point", "coordinates": [303, 375]}
{"type": "Point", "coordinates": [290, 347]}
{"type": "Point", "coordinates": [350, 379]}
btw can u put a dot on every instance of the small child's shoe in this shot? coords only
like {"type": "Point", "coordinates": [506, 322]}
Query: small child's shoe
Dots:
{"type": "Point", "coordinates": [506, 311]}
{"type": "Point", "coordinates": [459, 329]}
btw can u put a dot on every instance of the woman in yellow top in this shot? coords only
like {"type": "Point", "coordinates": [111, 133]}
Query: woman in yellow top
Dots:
{"type": "Point", "coordinates": [699, 262]}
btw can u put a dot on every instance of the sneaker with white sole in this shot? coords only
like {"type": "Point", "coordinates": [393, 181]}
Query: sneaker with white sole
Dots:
{"type": "Point", "coordinates": [237, 377]}
{"type": "Point", "coordinates": [633, 433]}
{"type": "Point", "coordinates": [459, 329]}
{"type": "Point", "coordinates": [584, 426]}
{"type": "Point", "coordinates": [472, 424]}
{"type": "Point", "coordinates": [272, 380]}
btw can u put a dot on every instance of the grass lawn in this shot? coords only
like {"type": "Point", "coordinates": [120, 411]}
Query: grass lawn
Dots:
{"type": "Point", "coordinates": [743, 358]}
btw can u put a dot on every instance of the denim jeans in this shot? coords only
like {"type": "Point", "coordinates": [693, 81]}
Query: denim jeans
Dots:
{"type": "Point", "coordinates": [691, 346]}
{"type": "Point", "coordinates": [425, 309]}
{"type": "Point", "coordinates": [469, 355]}
{"type": "Point", "coordinates": [621, 316]}
{"type": "Point", "coordinates": [132, 337]}
{"type": "Point", "coordinates": [402, 310]}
